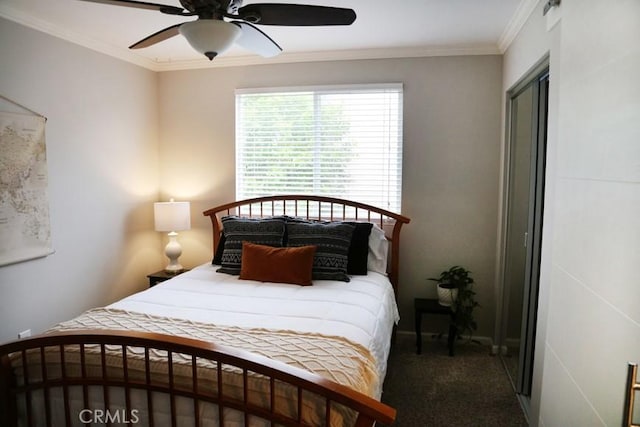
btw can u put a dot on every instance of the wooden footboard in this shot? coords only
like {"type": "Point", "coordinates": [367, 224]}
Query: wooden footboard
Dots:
{"type": "Point", "coordinates": [73, 367]}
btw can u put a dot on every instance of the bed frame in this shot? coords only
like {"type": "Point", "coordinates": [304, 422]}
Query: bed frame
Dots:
{"type": "Point", "coordinates": [23, 393]}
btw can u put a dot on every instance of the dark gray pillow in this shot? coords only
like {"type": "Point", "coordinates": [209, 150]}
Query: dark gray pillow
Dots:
{"type": "Point", "coordinates": [266, 231]}
{"type": "Point", "coordinates": [332, 241]}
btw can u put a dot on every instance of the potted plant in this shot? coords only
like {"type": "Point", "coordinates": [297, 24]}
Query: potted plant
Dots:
{"type": "Point", "coordinates": [455, 290]}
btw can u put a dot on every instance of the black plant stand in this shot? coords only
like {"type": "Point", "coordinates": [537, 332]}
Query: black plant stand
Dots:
{"type": "Point", "coordinates": [431, 306]}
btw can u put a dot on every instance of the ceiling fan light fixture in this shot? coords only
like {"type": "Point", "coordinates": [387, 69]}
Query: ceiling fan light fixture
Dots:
{"type": "Point", "coordinates": [210, 37]}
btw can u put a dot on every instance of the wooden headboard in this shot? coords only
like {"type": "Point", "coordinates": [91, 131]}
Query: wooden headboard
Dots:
{"type": "Point", "coordinates": [316, 208]}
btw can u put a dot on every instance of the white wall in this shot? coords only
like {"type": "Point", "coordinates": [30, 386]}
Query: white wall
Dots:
{"type": "Point", "coordinates": [102, 152]}
{"type": "Point", "coordinates": [452, 134]}
{"type": "Point", "coordinates": [589, 324]}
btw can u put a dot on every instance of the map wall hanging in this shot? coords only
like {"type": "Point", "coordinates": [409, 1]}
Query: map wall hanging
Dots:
{"type": "Point", "coordinates": [25, 229]}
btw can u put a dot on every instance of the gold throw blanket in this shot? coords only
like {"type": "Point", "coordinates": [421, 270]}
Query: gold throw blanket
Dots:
{"type": "Point", "coordinates": [332, 357]}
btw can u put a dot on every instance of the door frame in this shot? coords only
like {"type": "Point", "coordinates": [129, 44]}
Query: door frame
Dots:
{"type": "Point", "coordinates": [537, 74]}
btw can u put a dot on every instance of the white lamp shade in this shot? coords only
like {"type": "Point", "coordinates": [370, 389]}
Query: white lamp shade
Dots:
{"type": "Point", "coordinates": [210, 37]}
{"type": "Point", "coordinates": [172, 216]}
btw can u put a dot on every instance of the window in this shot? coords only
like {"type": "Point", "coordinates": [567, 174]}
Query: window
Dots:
{"type": "Point", "coordinates": [343, 141]}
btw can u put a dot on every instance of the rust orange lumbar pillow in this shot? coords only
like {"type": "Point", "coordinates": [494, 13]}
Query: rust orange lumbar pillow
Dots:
{"type": "Point", "coordinates": [281, 265]}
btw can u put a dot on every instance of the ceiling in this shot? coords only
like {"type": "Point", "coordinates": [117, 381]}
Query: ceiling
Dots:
{"type": "Point", "coordinates": [419, 28]}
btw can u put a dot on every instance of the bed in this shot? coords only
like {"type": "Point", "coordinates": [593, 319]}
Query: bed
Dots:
{"type": "Point", "coordinates": [223, 344]}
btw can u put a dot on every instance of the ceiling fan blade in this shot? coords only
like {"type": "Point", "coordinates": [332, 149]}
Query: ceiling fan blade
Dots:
{"type": "Point", "coordinates": [171, 10]}
{"type": "Point", "coordinates": [154, 38]}
{"type": "Point", "coordinates": [295, 14]}
{"type": "Point", "coordinates": [255, 40]}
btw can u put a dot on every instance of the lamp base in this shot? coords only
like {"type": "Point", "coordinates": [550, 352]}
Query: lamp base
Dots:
{"type": "Point", "coordinates": [173, 250]}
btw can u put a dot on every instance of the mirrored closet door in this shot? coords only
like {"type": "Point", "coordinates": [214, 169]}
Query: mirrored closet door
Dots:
{"type": "Point", "coordinates": [522, 226]}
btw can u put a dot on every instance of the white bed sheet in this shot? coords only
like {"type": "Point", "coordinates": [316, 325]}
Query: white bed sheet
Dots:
{"type": "Point", "coordinates": [363, 310]}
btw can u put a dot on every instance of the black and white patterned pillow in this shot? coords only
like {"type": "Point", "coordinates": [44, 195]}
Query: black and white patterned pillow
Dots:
{"type": "Point", "coordinates": [265, 231]}
{"type": "Point", "coordinates": [332, 241]}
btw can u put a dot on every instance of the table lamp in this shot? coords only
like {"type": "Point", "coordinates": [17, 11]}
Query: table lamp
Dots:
{"type": "Point", "coordinates": [172, 216]}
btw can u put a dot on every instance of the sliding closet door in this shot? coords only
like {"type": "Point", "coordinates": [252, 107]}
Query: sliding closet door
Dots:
{"type": "Point", "coordinates": [517, 225]}
{"type": "Point", "coordinates": [523, 228]}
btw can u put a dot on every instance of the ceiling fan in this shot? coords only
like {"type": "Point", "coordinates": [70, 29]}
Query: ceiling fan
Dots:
{"type": "Point", "coordinates": [222, 23]}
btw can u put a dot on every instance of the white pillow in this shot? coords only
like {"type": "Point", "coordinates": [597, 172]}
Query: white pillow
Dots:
{"type": "Point", "coordinates": [378, 251]}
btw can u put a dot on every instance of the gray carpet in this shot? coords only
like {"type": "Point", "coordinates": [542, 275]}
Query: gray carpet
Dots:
{"type": "Point", "coordinates": [433, 389]}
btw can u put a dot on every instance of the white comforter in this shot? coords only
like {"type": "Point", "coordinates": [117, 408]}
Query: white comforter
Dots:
{"type": "Point", "coordinates": [363, 310]}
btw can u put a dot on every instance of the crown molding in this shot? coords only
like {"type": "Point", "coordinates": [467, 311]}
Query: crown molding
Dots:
{"type": "Point", "coordinates": [14, 15]}
{"type": "Point", "coordinates": [323, 56]}
{"type": "Point", "coordinates": [517, 21]}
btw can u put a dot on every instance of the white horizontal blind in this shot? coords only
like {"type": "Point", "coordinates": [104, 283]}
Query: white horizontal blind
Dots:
{"type": "Point", "coordinates": [343, 141]}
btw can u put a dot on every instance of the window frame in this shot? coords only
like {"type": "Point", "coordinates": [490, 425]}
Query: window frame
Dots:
{"type": "Point", "coordinates": [392, 194]}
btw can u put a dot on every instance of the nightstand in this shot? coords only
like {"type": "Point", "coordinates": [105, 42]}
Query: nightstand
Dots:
{"type": "Point", "coordinates": [161, 276]}
{"type": "Point", "coordinates": [431, 306]}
